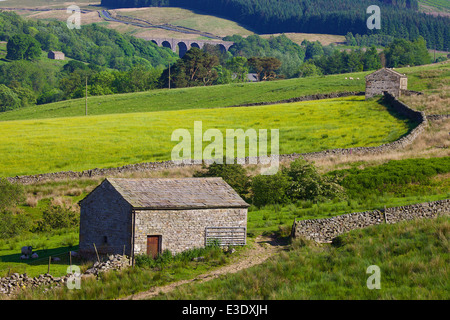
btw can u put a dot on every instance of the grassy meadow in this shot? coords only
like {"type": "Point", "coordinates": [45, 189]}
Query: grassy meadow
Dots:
{"type": "Point", "coordinates": [423, 78]}
{"type": "Point", "coordinates": [44, 3]}
{"type": "Point", "coordinates": [189, 98]}
{"type": "Point", "coordinates": [80, 143]}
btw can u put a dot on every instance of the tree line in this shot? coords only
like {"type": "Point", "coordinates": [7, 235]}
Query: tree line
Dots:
{"type": "Point", "coordinates": [400, 18]}
{"type": "Point", "coordinates": [91, 44]}
{"type": "Point", "coordinates": [24, 82]}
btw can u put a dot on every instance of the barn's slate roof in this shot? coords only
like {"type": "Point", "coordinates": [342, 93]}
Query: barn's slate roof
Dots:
{"type": "Point", "coordinates": [186, 193]}
{"type": "Point", "coordinates": [398, 74]}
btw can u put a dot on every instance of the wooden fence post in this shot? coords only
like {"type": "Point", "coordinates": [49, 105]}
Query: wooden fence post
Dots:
{"type": "Point", "coordinates": [96, 252]}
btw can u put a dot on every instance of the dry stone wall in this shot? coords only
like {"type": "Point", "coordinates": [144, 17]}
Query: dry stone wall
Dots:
{"type": "Point", "coordinates": [325, 230]}
{"type": "Point", "coordinates": [437, 117]}
{"type": "Point", "coordinates": [395, 104]}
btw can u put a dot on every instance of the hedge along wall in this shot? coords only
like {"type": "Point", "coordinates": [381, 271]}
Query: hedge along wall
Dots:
{"type": "Point", "coordinates": [325, 230]}
{"type": "Point", "coordinates": [395, 104]}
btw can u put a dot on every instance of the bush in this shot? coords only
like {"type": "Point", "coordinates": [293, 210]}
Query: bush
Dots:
{"type": "Point", "coordinates": [270, 189]}
{"type": "Point", "coordinates": [13, 224]}
{"type": "Point", "coordinates": [57, 217]}
{"type": "Point", "coordinates": [10, 194]}
{"type": "Point", "coordinates": [308, 184]}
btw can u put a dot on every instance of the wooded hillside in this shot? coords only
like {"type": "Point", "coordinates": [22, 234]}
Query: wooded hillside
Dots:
{"type": "Point", "coordinates": [400, 19]}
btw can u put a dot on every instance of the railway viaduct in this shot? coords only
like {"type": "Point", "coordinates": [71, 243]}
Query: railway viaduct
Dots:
{"type": "Point", "coordinates": [185, 45]}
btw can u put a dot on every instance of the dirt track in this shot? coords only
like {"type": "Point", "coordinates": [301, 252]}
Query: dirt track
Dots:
{"type": "Point", "coordinates": [263, 249]}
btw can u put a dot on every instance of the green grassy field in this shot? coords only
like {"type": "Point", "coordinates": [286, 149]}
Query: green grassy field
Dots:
{"type": "Point", "coordinates": [79, 143]}
{"type": "Point", "coordinates": [419, 78]}
{"type": "Point", "coordinates": [437, 5]}
{"type": "Point", "coordinates": [189, 98]}
{"type": "Point", "coordinates": [57, 243]}
{"type": "Point", "coordinates": [412, 257]}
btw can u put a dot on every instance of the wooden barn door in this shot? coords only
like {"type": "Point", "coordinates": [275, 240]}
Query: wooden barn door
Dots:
{"type": "Point", "coordinates": [153, 245]}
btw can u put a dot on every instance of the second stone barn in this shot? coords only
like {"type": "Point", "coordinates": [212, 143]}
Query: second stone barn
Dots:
{"type": "Point", "coordinates": [148, 216]}
{"type": "Point", "coordinates": [387, 80]}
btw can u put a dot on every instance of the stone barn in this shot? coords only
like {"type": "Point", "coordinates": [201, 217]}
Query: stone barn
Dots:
{"type": "Point", "coordinates": [56, 55]}
{"type": "Point", "coordinates": [385, 80]}
{"type": "Point", "coordinates": [148, 216]}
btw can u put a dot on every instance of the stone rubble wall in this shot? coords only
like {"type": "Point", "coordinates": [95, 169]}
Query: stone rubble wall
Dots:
{"type": "Point", "coordinates": [325, 230]}
{"type": "Point", "coordinates": [15, 282]}
{"type": "Point", "coordinates": [437, 117]}
{"type": "Point", "coordinates": [395, 104]}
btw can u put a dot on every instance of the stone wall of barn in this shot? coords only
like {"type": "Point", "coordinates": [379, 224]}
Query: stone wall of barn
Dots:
{"type": "Point", "coordinates": [325, 230]}
{"type": "Point", "coordinates": [181, 230]}
{"type": "Point", "coordinates": [105, 220]}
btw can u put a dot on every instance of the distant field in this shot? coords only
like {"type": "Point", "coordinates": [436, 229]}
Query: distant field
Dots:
{"type": "Point", "coordinates": [44, 3]}
{"type": "Point", "coordinates": [324, 39]}
{"type": "Point", "coordinates": [191, 98]}
{"type": "Point", "coordinates": [80, 143]}
{"type": "Point", "coordinates": [184, 18]}
{"type": "Point", "coordinates": [435, 5]}
{"type": "Point", "coordinates": [419, 78]}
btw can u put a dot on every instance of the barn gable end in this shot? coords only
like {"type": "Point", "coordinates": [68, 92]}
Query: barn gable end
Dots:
{"type": "Point", "coordinates": [105, 220]}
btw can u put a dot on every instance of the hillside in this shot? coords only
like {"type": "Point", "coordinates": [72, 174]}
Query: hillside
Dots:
{"type": "Point", "coordinates": [131, 118]}
{"type": "Point", "coordinates": [421, 78]}
{"type": "Point", "coordinates": [435, 7]}
{"type": "Point", "coordinates": [400, 19]}
{"type": "Point", "coordinates": [80, 143]}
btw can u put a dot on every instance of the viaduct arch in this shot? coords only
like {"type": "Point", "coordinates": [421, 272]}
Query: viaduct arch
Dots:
{"type": "Point", "coordinates": [185, 45]}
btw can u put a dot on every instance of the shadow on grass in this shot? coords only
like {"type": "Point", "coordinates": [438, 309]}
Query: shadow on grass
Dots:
{"type": "Point", "coordinates": [62, 253]}
{"type": "Point", "coordinates": [412, 124]}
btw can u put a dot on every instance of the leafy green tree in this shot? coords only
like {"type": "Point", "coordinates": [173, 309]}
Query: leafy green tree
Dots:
{"type": "Point", "coordinates": [238, 66]}
{"type": "Point", "coordinates": [313, 49]}
{"type": "Point", "coordinates": [22, 46]}
{"type": "Point", "coordinates": [402, 52]}
{"type": "Point", "coordinates": [57, 217]}
{"type": "Point", "coordinates": [371, 60]}
{"type": "Point", "coordinates": [309, 69]}
{"type": "Point", "coordinates": [196, 68]}
{"type": "Point", "coordinates": [17, 46]}
{"type": "Point", "coordinates": [350, 39]}
{"type": "Point", "coordinates": [265, 67]}
{"type": "Point", "coordinates": [13, 224]}
{"type": "Point", "coordinates": [9, 100]}
{"type": "Point", "coordinates": [308, 184]}
{"type": "Point", "coordinates": [270, 189]}
{"type": "Point", "coordinates": [11, 194]}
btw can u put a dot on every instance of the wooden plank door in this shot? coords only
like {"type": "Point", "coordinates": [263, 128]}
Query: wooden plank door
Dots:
{"type": "Point", "coordinates": [153, 245]}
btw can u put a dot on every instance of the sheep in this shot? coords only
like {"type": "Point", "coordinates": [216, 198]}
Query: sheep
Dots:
{"type": "Point", "coordinates": [24, 257]}
{"type": "Point", "coordinates": [351, 78]}
{"type": "Point", "coordinates": [345, 78]}
{"type": "Point", "coordinates": [56, 259]}
{"type": "Point", "coordinates": [27, 250]}
{"type": "Point", "coordinates": [34, 255]}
